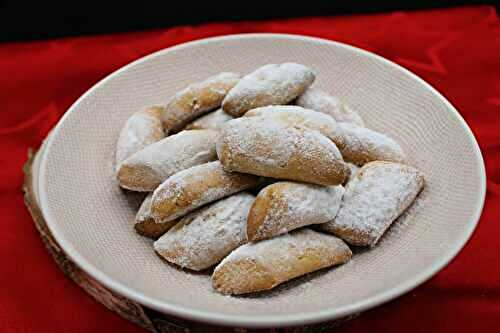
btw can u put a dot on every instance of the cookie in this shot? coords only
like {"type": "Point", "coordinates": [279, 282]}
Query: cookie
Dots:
{"type": "Point", "coordinates": [141, 129]}
{"type": "Point", "coordinates": [213, 120]}
{"type": "Point", "coordinates": [264, 265]}
{"type": "Point", "coordinates": [268, 85]}
{"type": "Point", "coordinates": [145, 225]}
{"type": "Point", "coordinates": [318, 100]}
{"type": "Point", "coordinates": [197, 99]}
{"type": "Point", "coordinates": [148, 168]}
{"type": "Point", "coordinates": [285, 206]}
{"type": "Point", "coordinates": [374, 198]}
{"type": "Point", "coordinates": [270, 148]}
{"type": "Point", "coordinates": [194, 187]}
{"type": "Point", "coordinates": [204, 237]}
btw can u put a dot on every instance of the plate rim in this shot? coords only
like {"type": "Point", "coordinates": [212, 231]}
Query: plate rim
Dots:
{"type": "Point", "coordinates": [262, 321]}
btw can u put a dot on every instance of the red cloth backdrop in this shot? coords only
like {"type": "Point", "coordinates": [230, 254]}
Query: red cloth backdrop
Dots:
{"type": "Point", "coordinates": [455, 50]}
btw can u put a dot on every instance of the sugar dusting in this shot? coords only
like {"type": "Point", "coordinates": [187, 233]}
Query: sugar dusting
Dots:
{"type": "Point", "coordinates": [144, 212]}
{"type": "Point", "coordinates": [319, 100]}
{"type": "Point", "coordinates": [202, 238]}
{"type": "Point", "coordinates": [291, 115]}
{"type": "Point", "coordinates": [213, 120]}
{"type": "Point", "coordinates": [175, 153]}
{"type": "Point", "coordinates": [293, 205]}
{"type": "Point", "coordinates": [141, 129]}
{"type": "Point", "coordinates": [197, 99]}
{"type": "Point", "coordinates": [279, 255]}
{"type": "Point", "coordinates": [361, 145]}
{"type": "Point", "coordinates": [376, 196]}
{"type": "Point", "coordinates": [268, 146]}
{"type": "Point", "coordinates": [271, 84]}
{"type": "Point", "coordinates": [353, 170]}
{"type": "Point", "coordinates": [198, 186]}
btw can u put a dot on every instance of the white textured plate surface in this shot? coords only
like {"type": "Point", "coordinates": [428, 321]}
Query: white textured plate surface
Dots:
{"type": "Point", "coordinates": [92, 219]}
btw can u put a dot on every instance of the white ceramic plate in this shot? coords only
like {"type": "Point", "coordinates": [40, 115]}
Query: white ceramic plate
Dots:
{"type": "Point", "coordinates": [92, 219]}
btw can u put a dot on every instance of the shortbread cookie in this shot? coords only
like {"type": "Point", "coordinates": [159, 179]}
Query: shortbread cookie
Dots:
{"type": "Point", "coordinates": [213, 120]}
{"type": "Point", "coordinates": [318, 100]}
{"type": "Point", "coordinates": [204, 237]}
{"type": "Point", "coordinates": [263, 265]}
{"type": "Point", "coordinates": [145, 225]}
{"type": "Point", "coordinates": [265, 147]}
{"type": "Point", "coordinates": [268, 85]}
{"type": "Point", "coordinates": [194, 187]}
{"type": "Point", "coordinates": [285, 206]}
{"type": "Point", "coordinates": [141, 129]}
{"type": "Point", "coordinates": [148, 168]}
{"type": "Point", "coordinates": [361, 145]}
{"type": "Point", "coordinates": [197, 99]}
{"type": "Point", "coordinates": [373, 199]}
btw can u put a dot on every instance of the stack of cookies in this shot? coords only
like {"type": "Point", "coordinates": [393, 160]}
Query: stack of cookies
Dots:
{"type": "Point", "coordinates": [265, 176]}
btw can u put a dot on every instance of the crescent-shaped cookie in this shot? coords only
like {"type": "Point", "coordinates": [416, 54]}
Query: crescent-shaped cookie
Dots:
{"type": "Point", "coordinates": [141, 129]}
{"type": "Point", "coordinates": [268, 85]}
{"type": "Point", "coordinates": [263, 265]}
{"type": "Point", "coordinates": [194, 187]}
{"type": "Point", "coordinates": [318, 100]}
{"type": "Point", "coordinates": [148, 168]}
{"type": "Point", "coordinates": [285, 206]}
{"type": "Point", "coordinates": [204, 237]}
{"type": "Point", "coordinates": [266, 147]}
{"type": "Point", "coordinates": [197, 99]}
{"type": "Point", "coordinates": [145, 225]}
{"type": "Point", "coordinates": [374, 198]}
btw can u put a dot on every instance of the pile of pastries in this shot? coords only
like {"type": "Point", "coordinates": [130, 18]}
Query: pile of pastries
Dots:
{"type": "Point", "coordinates": [264, 176]}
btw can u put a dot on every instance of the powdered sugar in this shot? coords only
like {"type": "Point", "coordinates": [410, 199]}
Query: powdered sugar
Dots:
{"type": "Point", "coordinates": [141, 129]}
{"type": "Point", "coordinates": [268, 85]}
{"type": "Point", "coordinates": [319, 100]}
{"type": "Point", "coordinates": [266, 147]}
{"type": "Point", "coordinates": [374, 198]}
{"type": "Point", "coordinates": [361, 145]}
{"type": "Point", "coordinates": [213, 120]}
{"type": "Point", "coordinates": [144, 212]}
{"type": "Point", "coordinates": [290, 115]}
{"type": "Point", "coordinates": [191, 188]}
{"type": "Point", "coordinates": [174, 153]}
{"type": "Point", "coordinates": [280, 254]}
{"type": "Point", "coordinates": [285, 206]}
{"type": "Point", "coordinates": [197, 99]}
{"type": "Point", "coordinates": [204, 237]}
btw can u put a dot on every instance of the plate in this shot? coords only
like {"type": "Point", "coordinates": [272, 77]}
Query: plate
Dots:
{"type": "Point", "coordinates": [92, 219]}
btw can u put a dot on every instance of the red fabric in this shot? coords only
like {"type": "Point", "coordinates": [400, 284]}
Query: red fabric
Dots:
{"type": "Point", "coordinates": [455, 50]}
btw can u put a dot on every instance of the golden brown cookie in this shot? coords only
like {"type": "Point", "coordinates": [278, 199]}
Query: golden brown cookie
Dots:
{"type": "Point", "coordinates": [285, 206]}
{"type": "Point", "coordinates": [148, 168]}
{"type": "Point", "coordinates": [145, 225]}
{"type": "Point", "coordinates": [213, 120]}
{"type": "Point", "coordinates": [194, 187]}
{"type": "Point", "coordinates": [141, 129]}
{"type": "Point", "coordinates": [373, 199]}
{"type": "Point", "coordinates": [267, 147]}
{"type": "Point", "coordinates": [204, 237]}
{"type": "Point", "coordinates": [318, 100]}
{"type": "Point", "coordinates": [268, 85]}
{"type": "Point", "coordinates": [360, 145]}
{"type": "Point", "coordinates": [263, 265]}
{"type": "Point", "coordinates": [197, 99]}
